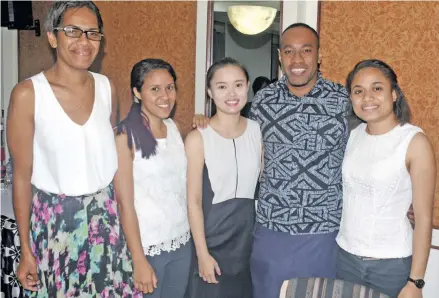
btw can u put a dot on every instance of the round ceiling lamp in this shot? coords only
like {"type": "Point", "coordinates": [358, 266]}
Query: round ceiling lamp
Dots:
{"type": "Point", "coordinates": [251, 20]}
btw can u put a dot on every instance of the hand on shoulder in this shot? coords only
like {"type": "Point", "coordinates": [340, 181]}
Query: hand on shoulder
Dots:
{"type": "Point", "coordinates": [200, 121]}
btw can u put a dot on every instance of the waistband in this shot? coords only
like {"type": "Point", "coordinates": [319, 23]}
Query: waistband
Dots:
{"type": "Point", "coordinates": [367, 258]}
{"type": "Point", "coordinates": [66, 196]}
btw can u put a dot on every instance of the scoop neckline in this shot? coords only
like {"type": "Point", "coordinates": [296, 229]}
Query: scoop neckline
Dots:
{"type": "Point", "coordinates": [395, 128]}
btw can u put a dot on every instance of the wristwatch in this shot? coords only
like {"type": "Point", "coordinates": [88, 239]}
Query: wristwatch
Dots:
{"type": "Point", "coordinates": [419, 283]}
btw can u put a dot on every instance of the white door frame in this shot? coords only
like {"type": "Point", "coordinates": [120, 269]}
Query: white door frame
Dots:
{"type": "Point", "coordinates": [9, 70]}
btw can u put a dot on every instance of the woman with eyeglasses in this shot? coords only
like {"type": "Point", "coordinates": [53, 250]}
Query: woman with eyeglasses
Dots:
{"type": "Point", "coordinates": [61, 140]}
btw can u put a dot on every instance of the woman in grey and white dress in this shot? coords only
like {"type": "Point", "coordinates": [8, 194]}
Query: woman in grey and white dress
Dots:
{"type": "Point", "coordinates": [224, 162]}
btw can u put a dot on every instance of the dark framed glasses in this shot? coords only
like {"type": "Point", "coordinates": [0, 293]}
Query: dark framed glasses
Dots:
{"type": "Point", "coordinates": [75, 32]}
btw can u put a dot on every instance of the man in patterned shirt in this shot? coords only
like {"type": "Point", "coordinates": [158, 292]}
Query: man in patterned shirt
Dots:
{"type": "Point", "coordinates": [304, 128]}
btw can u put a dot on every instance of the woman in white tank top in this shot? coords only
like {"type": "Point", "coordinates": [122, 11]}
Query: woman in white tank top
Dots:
{"type": "Point", "coordinates": [61, 141]}
{"type": "Point", "coordinates": [224, 162]}
{"type": "Point", "coordinates": [150, 183]}
{"type": "Point", "coordinates": [388, 165]}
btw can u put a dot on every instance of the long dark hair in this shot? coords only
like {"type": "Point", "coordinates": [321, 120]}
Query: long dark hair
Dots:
{"type": "Point", "coordinates": [400, 106]}
{"type": "Point", "coordinates": [136, 124]}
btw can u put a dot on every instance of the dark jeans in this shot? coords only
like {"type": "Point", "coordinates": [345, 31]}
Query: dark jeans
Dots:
{"type": "Point", "coordinates": [172, 271]}
{"type": "Point", "coordinates": [388, 276]}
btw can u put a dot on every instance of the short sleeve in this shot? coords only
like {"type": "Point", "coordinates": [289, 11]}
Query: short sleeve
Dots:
{"type": "Point", "coordinates": [254, 109]}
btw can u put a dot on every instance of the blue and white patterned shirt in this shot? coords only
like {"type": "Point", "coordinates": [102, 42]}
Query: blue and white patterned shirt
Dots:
{"type": "Point", "coordinates": [304, 142]}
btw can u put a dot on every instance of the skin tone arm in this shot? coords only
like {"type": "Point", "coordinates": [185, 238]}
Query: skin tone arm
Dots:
{"type": "Point", "coordinates": [114, 105]}
{"type": "Point", "coordinates": [195, 159]}
{"type": "Point", "coordinates": [422, 168]}
{"type": "Point", "coordinates": [145, 279]}
{"type": "Point", "coordinates": [20, 134]}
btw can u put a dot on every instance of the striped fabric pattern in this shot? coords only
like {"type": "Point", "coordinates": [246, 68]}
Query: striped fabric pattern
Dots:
{"type": "Point", "coordinates": [326, 288]}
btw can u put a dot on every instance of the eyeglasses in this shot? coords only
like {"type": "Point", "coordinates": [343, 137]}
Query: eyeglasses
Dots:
{"type": "Point", "coordinates": [76, 32]}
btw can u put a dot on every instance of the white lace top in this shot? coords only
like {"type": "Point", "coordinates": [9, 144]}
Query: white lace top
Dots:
{"type": "Point", "coordinates": [160, 195]}
{"type": "Point", "coordinates": [377, 193]}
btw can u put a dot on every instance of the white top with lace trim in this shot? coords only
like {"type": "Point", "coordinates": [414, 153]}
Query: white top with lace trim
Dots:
{"type": "Point", "coordinates": [160, 195]}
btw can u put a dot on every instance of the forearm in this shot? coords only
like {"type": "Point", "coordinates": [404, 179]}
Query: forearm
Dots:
{"type": "Point", "coordinates": [130, 227]}
{"type": "Point", "coordinates": [22, 198]}
{"type": "Point", "coordinates": [196, 221]}
{"type": "Point", "coordinates": [421, 247]}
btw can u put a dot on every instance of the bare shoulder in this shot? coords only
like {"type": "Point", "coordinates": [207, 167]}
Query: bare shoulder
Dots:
{"type": "Point", "coordinates": [420, 143]}
{"type": "Point", "coordinates": [23, 91]}
{"type": "Point", "coordinates": [194, 143]}
{"type": "Point", "coordinates": [420, 148]}
{"type": "Point", "coordinates": [194, 136]}
{"type": "Point", "coordinates": [22, 97]}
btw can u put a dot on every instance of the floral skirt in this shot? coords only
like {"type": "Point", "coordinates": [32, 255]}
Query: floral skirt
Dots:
{"type": "Point", "coordinates": [79, 246]}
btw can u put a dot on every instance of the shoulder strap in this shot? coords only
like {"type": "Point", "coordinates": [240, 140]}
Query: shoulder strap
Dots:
{"type": "Point", "coordinates": [41, 88]}
{"type": "Point", "coordinates": [103, 89]}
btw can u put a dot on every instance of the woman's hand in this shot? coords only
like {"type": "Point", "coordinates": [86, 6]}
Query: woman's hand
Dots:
{"type": "Point", "coordinates": [145, 279]}
{"type": "Point", "coordinates": [208, 267]}
{"type": "Point", "coordinates": [27, 273]}
{"type": "Point", "coordinates": [410, 291]}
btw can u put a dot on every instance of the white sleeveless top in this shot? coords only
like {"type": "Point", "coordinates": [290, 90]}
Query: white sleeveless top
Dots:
{"type": "Point", "coordinates": [69, 158]}
{"type": "Point", "coordinates": [160, 194]}
{"type": "Point", "coordinates": [377, 194]}
{"type": "Point", "coordinates": [233, 164]}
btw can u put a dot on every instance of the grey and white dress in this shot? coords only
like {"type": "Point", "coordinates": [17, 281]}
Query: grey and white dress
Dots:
{"type": "Point", "coordinates": [230, 174]}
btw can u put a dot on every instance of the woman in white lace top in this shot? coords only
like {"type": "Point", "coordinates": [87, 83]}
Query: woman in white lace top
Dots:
{"type": "Point", "coordinates": [151, 184]}
{"type": "Point", "coordinates": [388, 165]}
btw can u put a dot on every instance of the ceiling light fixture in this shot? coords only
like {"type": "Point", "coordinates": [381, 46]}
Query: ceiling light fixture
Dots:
{"type": "Point", "coordinates": [251, 20]}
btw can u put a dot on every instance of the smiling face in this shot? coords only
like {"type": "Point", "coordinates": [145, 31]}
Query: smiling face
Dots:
{"type": "Point", "coordinates": [372, 96]}
{"type": "Point", "coordinates": [78, 53]}
{"type": "Point", "coordinates": [228, 88]}
{"type": "Point", "coordinates": [158, 94]}
{"type": "Point", "coordinates": [299, 57]}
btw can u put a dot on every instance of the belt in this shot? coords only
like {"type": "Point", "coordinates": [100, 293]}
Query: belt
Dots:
{"type": "Point", "coordinates": [367, 258]}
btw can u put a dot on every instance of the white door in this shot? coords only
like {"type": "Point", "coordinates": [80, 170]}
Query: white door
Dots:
{"type": "Point", "coordinates": [9, 71]}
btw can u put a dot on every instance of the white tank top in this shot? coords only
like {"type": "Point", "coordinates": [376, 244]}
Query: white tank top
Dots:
{"type": "Point", "coordinates": [160, 194]}
{"type": "Point", "coordinates": [377, 193]}
{"type": "Point", "coordinates": [69, 158]}
{"type": "Point", "coordinates": [233, 164]}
